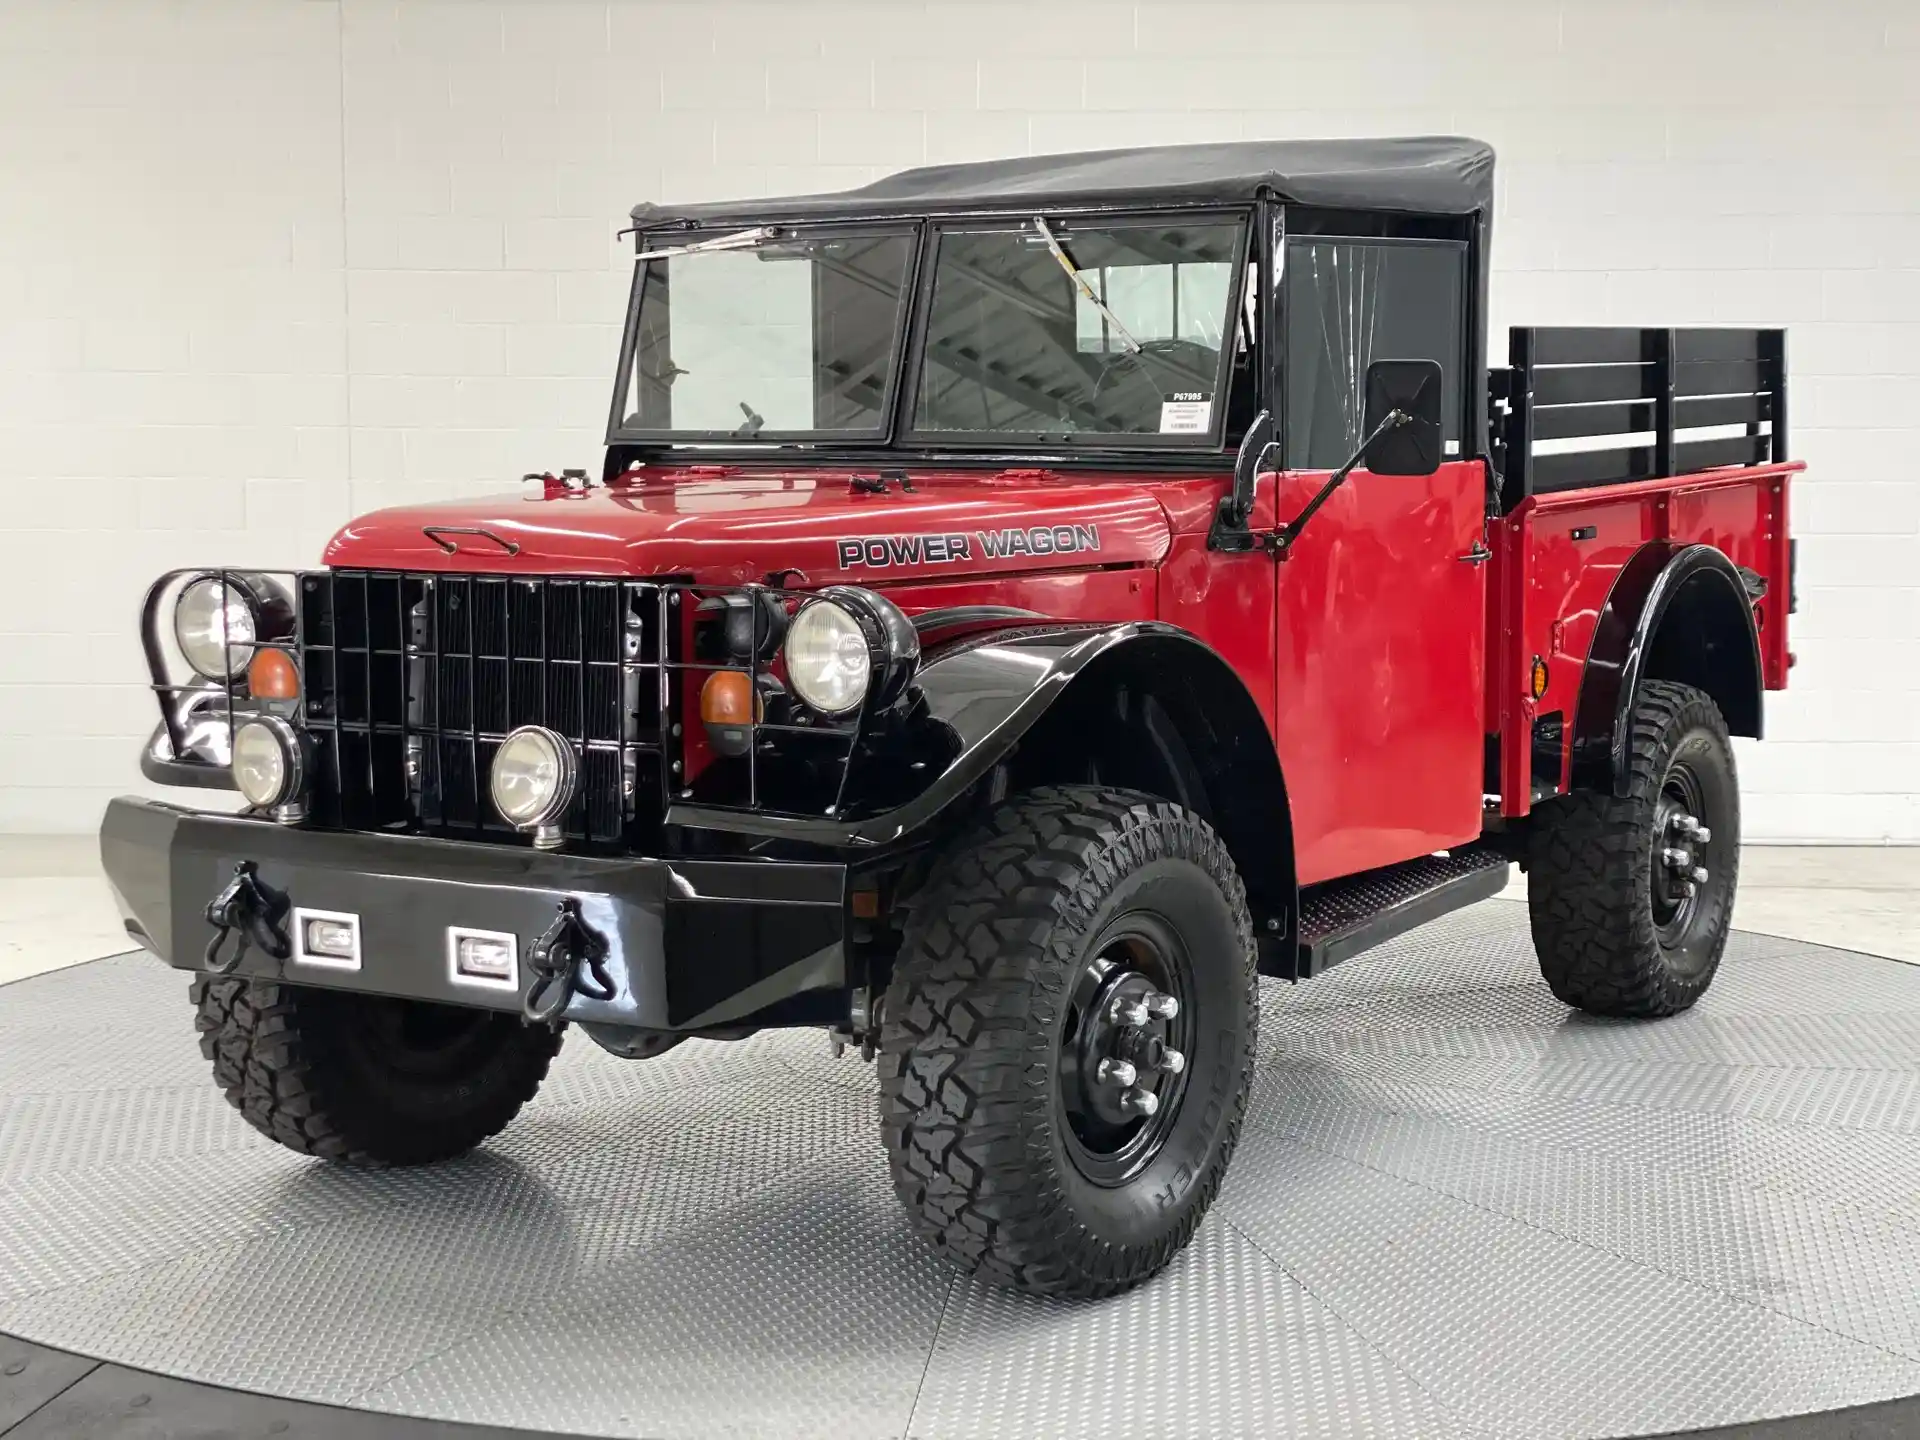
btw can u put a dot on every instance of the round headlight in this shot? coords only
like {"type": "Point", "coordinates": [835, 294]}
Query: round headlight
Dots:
{"type": "Point", "coordinates": [216, 623]}
{"type": "Point", "coordinates": [829, 662]}
{"type": "Point", "coordinates": [267, 765]}
{"type": "Point", "coordinates": [849, 647]}
{"type": "Point", "coordinates": [535, 773]}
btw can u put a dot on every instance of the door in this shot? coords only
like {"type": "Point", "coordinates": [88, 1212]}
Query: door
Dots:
{"type": "Point", "coordinates": [1380, 633]}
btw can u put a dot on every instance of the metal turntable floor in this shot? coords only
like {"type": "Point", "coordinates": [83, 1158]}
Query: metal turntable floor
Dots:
{"type": "Point", "coordinates": [1457, 1210]}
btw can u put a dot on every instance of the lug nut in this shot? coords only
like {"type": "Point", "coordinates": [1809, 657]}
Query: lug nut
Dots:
{"type": "Point", "coordinates": [1140, 1102]}
{"type": "Point", "coordinates": [1172, 1062]}
{"type": "Point", "coordinates": [1689, 889]}
{"type": "Point", "coordinates": [1701, 835]}
{"type": "Point", "coordinates": [1163, 1006]}
{"type": "Point", "coordinates": [1679, 859]}
{"type": "Point", "coordinates": [1698, 875]}
{"type": "Point", "coordinates": [1116, 1072]}
{"type": "Point", "coordinates": [1129, 1012]}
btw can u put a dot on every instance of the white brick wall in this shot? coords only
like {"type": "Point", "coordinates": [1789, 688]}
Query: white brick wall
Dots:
{"type": "Point", "coordinates": [264, 263]}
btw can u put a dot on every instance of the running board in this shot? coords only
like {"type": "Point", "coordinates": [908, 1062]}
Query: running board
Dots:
{"type": "Point", "coordinates": [1340, 918]}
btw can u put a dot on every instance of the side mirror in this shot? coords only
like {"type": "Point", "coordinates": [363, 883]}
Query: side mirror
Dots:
{"type": "Point", "coordinates": [1413, 387]}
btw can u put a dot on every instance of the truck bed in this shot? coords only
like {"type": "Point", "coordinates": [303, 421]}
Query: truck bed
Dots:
{"type": "Point", "coordinates": [1607, 442]}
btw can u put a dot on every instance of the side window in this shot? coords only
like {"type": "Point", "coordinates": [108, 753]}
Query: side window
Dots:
{"type": "Point", "coordinates": [1349, 303]}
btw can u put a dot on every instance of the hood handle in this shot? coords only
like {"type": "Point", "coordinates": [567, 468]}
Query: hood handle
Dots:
{"type": "Point", "coordinates": [438, 534]}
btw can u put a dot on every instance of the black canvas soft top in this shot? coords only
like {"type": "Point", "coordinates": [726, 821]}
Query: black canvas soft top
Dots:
{"type": "Point", "coordinates": [1443, 175]}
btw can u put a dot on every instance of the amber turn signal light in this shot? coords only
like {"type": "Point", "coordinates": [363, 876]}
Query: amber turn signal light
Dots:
{"type": "Point", "coordinates": [730, 709]}
{"type": "Point", "coordinates": [272, 676]}
{"type": "Point", "coordinates": [727, 699]}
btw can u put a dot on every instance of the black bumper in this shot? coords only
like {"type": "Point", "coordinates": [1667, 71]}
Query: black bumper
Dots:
{"type": "Point", "coordinates": [692, 944]}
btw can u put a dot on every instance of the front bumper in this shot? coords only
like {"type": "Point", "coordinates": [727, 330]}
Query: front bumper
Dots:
{"type": "Point", "coordinates": [691, 944]}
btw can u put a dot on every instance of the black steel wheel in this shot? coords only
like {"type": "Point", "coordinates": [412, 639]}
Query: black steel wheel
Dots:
{"type": "Point", "coordinates": [367, 1079]}
{"type": "Point", "coordinates": [1123, 1042]}
{"type": "Point", "coordinates": [1631, 896]}
{"type": "Point", "coordinates": [1068, 1040]}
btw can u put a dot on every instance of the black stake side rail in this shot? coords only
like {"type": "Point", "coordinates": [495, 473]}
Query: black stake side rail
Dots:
{"type": "Point", "coordinates": [410, 681]}
{"type": "Point", "coordinates": [1634, 404]}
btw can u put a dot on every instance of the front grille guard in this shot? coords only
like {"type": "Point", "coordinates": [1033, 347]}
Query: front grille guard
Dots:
{"type": "Point", "coordinates": [370, 707]}
{"type": "Point", "coordinates": [197, 715]}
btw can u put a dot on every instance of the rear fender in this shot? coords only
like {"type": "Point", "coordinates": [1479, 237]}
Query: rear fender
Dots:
{"type": "Point", "coordinates": [1676, 612]}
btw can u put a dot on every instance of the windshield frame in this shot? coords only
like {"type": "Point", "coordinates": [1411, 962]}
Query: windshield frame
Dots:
{"type": "Point", "coordinates": [1016, 221]}
{"type": "Point", "coordinates": [880, 435]}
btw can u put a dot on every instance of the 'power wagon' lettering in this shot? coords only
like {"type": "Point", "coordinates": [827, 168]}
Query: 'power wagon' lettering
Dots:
{"type": "Point", "coordinates": [879, 552]}
{"type": "Point", "coordinates": [1041, 540]}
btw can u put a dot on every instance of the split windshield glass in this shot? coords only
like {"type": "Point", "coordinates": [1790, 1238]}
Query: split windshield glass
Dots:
{"type": "Point", "coordinates": [789, 337]}
{"type": "Point", "coordinates": [1061, 328]}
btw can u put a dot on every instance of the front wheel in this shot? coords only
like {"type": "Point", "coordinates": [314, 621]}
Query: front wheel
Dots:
{"type": "Point", "coordinates": [1068, 1040]}
{"type": "Point", "coordinates": [1631, 896]}
{"type": "Point", "coordinates": [367, 1079]}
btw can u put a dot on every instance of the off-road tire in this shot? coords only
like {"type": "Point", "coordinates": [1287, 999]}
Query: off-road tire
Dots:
{"type": "Point", "coordinates": [973, 1025]}
{"type": "Point", "coordinates": [1590, 869]}
{"type": "Point", "coordinates": [305, 1068]}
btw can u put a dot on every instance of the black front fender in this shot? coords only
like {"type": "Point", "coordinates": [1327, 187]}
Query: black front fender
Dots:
{"type": "Point", "coordinates": [1676, 612]}
{"type": "Point", "coordinates": [970, 707]}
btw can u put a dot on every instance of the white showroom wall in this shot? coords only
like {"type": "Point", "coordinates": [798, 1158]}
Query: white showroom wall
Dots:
{"type": "Point", "coordinates": [264, 263]}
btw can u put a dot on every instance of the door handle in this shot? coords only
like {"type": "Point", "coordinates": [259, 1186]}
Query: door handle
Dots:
{"type": "Point", "coordinates": [1478, 555]}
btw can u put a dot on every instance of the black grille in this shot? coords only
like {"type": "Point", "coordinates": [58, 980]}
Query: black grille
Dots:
{"type": "Point", "coordinates": [413, 680]}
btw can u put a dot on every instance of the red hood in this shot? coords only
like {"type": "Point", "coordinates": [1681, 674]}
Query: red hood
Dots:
{"type": "Point", "coordinates": [732, 528]}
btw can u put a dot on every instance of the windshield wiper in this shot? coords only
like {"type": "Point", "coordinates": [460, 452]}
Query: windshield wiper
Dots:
{"type": "Point", "coordinates": [738, 240]}
{"type": "Point", "coordinates": [751, 426]}
{"type": "Point", "coordinates": [1079, 280]}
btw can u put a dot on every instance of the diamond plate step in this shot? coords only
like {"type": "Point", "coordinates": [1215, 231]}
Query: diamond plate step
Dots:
{"type": "Point", "coordinates": [1341, 918]}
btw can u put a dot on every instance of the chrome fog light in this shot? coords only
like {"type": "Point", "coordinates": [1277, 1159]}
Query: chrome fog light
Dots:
{"type": "Point", "coordinates": [269, 769]}
{"type": "Point", "coordinates": [535, 775]}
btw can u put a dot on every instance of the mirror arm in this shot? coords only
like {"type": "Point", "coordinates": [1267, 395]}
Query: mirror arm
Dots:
{"type": "Point", "coordinates": [1290, 532]}
{"type": "Point", "coordinates": [1230, 518]}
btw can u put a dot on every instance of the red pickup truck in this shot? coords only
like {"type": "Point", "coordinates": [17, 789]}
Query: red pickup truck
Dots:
{"type": "Point", "coordinates": [1022, 604]}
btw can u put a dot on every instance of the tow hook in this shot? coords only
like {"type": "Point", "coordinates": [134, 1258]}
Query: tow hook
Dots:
{"type": "Point", "coordinates": [251, 909]}
{"type": "Point", "coordinates": [556, 960]}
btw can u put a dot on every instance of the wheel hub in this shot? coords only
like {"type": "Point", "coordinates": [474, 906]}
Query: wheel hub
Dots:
{"type": "Point", "coordinates": [1680, 854]}
{"type": "Point", "coordinates": [1122, 1064]}
{"type": "Point", "coordinates": [1123, 1046]}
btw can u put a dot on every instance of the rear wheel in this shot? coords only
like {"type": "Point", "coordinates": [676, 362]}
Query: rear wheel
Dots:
{"type": "Point", "coordinates": [367, 1079]}
{"type": "Point", "coordinates": [1631, 896]}
{"type": "Point", "coordinates": [1068, 1040]}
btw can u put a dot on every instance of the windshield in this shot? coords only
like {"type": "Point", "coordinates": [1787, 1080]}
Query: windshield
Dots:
{"type": "Point", "coordinates": [1053, 328]}
{"type": "Point", "coordinates": [769, 339]}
